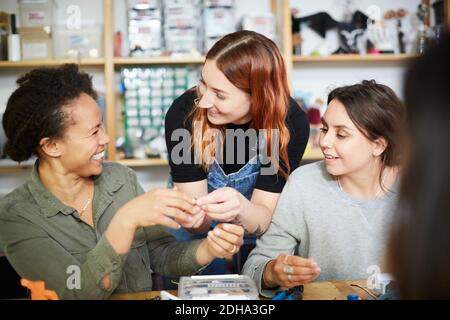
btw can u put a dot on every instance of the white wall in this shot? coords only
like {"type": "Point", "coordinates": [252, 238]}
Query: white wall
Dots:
{"type": "Point", "coordinates": [321, 79]}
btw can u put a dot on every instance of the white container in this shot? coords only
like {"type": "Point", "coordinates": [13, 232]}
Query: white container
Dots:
{"type": "Point", "coordinates": [78, 43]}
{"type": "Point", "coordinates": [144, 4]}
{"type": "Point", "coordinates": [218, 3]}
{"type": "Point", "coordinates": [36, 43]}
{"type": "Point", "coordinates": [217, 287]}
{"type": "Point", "coordinates": [262, 23]}
{"type": "Point", "coordinates": [36, 13]}
{"type": "Point", "coordinates": [219, 21]}
{"type": "Point", "coordinates": [145, 37]}
{"type": "Point", "coordinates": [14, 47]}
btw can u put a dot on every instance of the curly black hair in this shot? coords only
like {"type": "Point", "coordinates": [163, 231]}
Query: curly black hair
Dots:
{"type": "Point", "coordinates": [35, 110]}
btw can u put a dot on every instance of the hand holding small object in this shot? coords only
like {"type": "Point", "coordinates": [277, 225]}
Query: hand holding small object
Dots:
{"type": "Point", "coordinates": [225, 240]}
{"type": "Point", "coordinates": [289, 271]}
{"type": "Point", "coordinates": [224, 204]}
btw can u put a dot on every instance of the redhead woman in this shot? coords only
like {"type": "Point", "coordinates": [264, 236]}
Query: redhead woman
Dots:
{"type": "Point", "coordinates": [234, 139]}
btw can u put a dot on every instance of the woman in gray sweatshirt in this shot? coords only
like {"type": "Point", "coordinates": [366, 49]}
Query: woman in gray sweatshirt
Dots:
{"type": "Point", "coordinates": [333, 216]}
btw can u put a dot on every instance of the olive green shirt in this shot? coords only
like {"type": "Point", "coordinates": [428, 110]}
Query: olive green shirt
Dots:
{"type": "Point", "coordinates": [46, 240]}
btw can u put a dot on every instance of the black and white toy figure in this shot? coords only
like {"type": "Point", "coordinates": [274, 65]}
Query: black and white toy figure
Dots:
{"type": "Point", "coordinates": [349, 31]}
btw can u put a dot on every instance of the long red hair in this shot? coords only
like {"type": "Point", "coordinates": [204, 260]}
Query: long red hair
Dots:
{"type": "Point", "coordinates": [254, 64]}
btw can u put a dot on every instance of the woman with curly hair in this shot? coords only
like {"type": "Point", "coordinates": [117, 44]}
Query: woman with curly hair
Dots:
{"type": "Point", "coordinates": [86, 227]}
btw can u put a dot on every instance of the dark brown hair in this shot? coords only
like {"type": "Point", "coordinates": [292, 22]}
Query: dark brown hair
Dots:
{"type": "Point", "coordinates": [35, 109]}
{"type": "Point", "coordinates": [378, 113]}
{"type": "Point", "coordinates": [419, 251]}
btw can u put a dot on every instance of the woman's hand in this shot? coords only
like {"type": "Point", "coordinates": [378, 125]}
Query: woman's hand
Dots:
{"type": "Point", "coordinates": [223, 241]}
{"type": "Point", "coordinates": [224, 204]}
{"type": "Point", "coordinates": [158, 207]}
{"type": "Point", "coordinates": [197, 218]}
{"type": "Point", "coordinates": [289, 271]}
{"type": "Point", "coordinates": [166, 207]}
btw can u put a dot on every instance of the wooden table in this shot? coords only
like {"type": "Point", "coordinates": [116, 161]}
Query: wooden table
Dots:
{"type": "Point", "coordinates": [329, 290]}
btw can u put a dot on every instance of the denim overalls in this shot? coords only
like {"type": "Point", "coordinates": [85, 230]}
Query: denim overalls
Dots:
{"type": "Point", "coordinates": [243, 181]}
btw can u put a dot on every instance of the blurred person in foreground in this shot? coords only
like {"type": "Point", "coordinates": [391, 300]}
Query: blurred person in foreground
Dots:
{"type": "Point", "coordinates": [419, 252]}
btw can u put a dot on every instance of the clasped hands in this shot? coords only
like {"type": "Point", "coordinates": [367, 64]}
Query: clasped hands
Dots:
{"type": "Point", "coordinates": [223, 205]}
{"type": "Point", "coordinates": [173, 208]}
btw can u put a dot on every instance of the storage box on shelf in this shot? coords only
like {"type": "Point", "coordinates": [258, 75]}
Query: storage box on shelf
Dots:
{"type": "Point", "coordinates": [36, 43]}
{"type": "Point", "coordinates": [85, 42]}
{"type": "Point", "coordinates": [148, 93]}
{"type": "Point", "coordinates": [35, 13]}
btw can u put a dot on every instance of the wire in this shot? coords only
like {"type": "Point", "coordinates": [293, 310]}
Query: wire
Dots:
{"type": "Point", "coordinates": [365, 289]}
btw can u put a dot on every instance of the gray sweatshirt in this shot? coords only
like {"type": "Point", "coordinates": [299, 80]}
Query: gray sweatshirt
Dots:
{"type": "Point", "coordinates": [315, 219]}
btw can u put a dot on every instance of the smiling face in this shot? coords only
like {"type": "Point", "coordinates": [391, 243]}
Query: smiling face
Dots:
{"type": "Point", "coordinates": [225, 102]}
{"type": "Point", "coordinates": [345, 147]}
{"type": "Point", "coordinates": [82, 148]}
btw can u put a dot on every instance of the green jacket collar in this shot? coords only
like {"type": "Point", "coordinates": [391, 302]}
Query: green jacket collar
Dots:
{"type": "Point", "coordinates": [105, 186]}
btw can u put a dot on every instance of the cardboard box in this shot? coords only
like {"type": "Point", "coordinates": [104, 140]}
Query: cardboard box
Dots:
{"type": "Point", "coordinates": [36, 43]}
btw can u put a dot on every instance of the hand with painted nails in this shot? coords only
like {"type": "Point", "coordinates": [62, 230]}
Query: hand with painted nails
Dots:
{"type": "Point", "coordinates": [225, 240]}
{"type": "Point", "coordinates": [166, 207]}
{"type": "Point", "coordinates": [197, 216]}
{"type": "Point", "coordinates": [224, 204]}
{"type": "Point", "coordinates": [288, 271]}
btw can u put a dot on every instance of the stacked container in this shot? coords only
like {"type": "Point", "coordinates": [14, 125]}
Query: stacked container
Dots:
{"type": "Point", "coordinates": [145, 28]}
{"type": "Point", "coordinates": [182, 27]}
{"type": "Point", "coordinates": [219, 20]}
{"type": "Point", "coordinates": [148, 94]}
{"type": "Point", "coordinates": [35, 34]}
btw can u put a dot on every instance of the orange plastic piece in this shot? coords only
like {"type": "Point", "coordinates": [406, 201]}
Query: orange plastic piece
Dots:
{"type": "Point", "coordinates": [38, 291]}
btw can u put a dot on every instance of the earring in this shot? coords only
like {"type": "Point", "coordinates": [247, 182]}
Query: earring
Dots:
{"type": "Point", "coordinates": [377, 154]}
{"type": "Point", "coordinates": [196, 101]}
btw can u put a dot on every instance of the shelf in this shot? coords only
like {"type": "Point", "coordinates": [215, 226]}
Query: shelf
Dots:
{"type": "Point", "coordinates": [312, 154]}
{"type": "Point", "coordinates": [143, 162]}
{"type": "Point", "coordinates": [16, 168]}
{"type": "Point", "coordinates": [7, 166]}
{"type": "Point", "coordinates": [355, 58]}
{"type": "Point", "coordinates": [50, 62]}
{"type": "Point", "coordinates": [158, 60]}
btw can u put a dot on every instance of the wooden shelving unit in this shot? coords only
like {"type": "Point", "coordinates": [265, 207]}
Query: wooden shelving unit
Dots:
{"type": "Point", "coordinates": [144, 162]}
{"type": "Point", "coordinates": [447, 13]}
{"type": "Point", "coordinates": [8, 166]}
{"type": "Point", "coordinates": [13, 169]}
{"type": "Point", "coordinates": [312, 154]}
{"type": "Point", "coordinates": [158, 60]}
{"type": "Point", "coordinates": [355, 58]}
{"type": "Point", "coordinates": [134, 163]}
{"type": "Point", "coordinates": [109, 63]}
{"type": "Point", "coordinates": [56, 62]}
